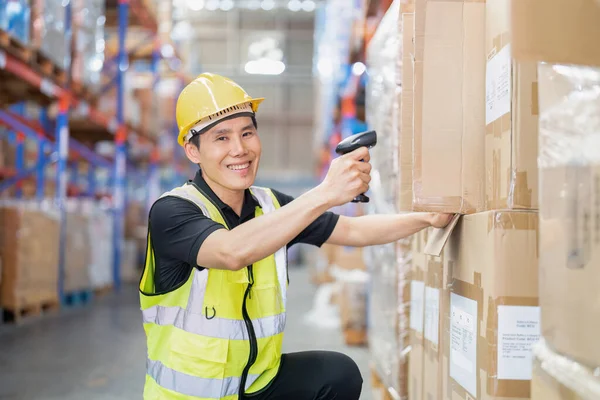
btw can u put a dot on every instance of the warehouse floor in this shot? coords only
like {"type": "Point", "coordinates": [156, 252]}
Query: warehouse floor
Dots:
{"type": "Point", "coordinates": [98, 352]}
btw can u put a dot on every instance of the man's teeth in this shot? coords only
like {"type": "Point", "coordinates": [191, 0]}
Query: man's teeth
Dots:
{"type": "Point", "coordinates": [238, 167]}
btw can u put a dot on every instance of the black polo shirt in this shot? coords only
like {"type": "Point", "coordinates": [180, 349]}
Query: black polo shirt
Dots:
{"type": "Point", "coordinates": [178, 228]}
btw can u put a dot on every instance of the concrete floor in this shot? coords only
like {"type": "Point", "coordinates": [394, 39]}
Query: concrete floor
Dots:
{"type": "Point", "coordinates": [98, 352]}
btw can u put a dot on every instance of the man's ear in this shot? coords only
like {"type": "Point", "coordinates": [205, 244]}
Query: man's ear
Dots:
{"type": "Point", "coordinates": [192, 152]}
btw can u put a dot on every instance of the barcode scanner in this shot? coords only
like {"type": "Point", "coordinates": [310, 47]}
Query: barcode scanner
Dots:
{"type": "Point", "coordinates": [367, 139]}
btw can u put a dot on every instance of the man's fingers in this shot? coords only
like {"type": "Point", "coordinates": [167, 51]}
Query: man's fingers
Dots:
{"type": "Point", "coordinates": [364, 167]}
{"type": "Point", "coordinates": [359, 154]}
{"type": "Point", "coordinates": [366, 178]}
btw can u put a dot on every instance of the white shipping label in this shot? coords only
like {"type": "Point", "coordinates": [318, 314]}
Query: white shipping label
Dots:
{"type": "Point", "coordinates": [518, 330]}
{"type": "Point", "coordinates": [432, 314]}
{"type": "Point", "coordinates": [498, 85]}
{"type": "Point", "coordinates": [463, 342]}
{"type": "Point", "coordinates": [417, 293]}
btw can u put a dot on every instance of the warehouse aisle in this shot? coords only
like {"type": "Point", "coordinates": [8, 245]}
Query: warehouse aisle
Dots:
{"type": "Point", "coordinates": [98, 352]}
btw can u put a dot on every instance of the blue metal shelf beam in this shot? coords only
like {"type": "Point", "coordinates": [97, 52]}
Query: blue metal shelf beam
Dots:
{"type": "Point", "coordinates": [89, 155]}
{"type": "Point", "coordinates": [120, 148]}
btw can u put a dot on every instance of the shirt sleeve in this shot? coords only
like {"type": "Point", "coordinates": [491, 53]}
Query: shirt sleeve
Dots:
{"type": "Point", "coordinates": [178, 228]}
{"type": "Point", "coordinates": [318, 231]}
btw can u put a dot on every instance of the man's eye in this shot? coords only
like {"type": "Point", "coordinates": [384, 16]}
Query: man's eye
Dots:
{"type": "Point", "coordinates": [248, 133]}
{"type": "Point", "coordinates": [222, 138]}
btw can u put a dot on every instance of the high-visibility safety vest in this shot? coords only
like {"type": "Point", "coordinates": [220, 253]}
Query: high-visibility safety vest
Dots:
{"type": "Point", "coordinates": [219, 334]}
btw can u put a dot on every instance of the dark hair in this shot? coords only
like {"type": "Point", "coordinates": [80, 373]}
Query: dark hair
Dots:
{"type": "Point", "coordinates": [195, 140]}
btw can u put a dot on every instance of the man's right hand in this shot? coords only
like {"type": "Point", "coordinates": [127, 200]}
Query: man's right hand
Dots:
{"type": "Point", "coordinates": [347, 177]}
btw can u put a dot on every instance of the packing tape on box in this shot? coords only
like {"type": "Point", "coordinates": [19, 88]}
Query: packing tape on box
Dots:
{"type": "Point", "coordinates": [512, 220]}
{"type": "Point", "coordinates": [535, 99]}
{"type": "Point", "coordinates": [498, 42]}
{"type": "Point", "coordinates": [447, 204]}
{"type": "Point", "coordinates": [406, 8]}
{"type": "Point", "coordinates": [519, 192]}
{"type": "Point", "coordinates": [499, 126]}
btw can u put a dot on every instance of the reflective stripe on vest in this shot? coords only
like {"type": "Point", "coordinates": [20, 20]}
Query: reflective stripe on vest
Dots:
{"type": "Point", "coordinates": [193, 385]}
{"type": "Point", "coordinates": [194, 320]}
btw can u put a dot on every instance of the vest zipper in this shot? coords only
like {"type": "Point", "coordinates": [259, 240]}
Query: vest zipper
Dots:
{"type": "Point", "coordinates": [251, 334]}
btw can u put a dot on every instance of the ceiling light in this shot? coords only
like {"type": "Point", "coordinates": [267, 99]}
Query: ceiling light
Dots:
{"type": "Point", "coordinates": [226, 5]}
{"type": "Point", "coordinates": [267, 5]}
{"type": "Point", "coordinates": [167, 50]}
{"type": "Point", "coordinates": [308, 5]}
{"type": "Point", "coordinates": [195, 5]}
{"type": "Point", "coordinates": [294, 5]}
{"type": "Point", "coordinates": [212, 5]}
{"type": "Point", "coordinates": [264, 67]}
{"type": "Point", "coordinates": [358, 68]}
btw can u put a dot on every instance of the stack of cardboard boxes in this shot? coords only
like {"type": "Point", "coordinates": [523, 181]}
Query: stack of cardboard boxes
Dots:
{"type": "Point", "coordinates": [341, 273]}
{"type": "Point", "coordinates": [563, 37]}
{"type": "Point", "coordinates": [78, 252]}
{"type": "Point", "coordinates": [29, 254]}
{"type": "Point", "coordinates": [474, 287]}
{"type": "Point", "coordinates": [387, 264]}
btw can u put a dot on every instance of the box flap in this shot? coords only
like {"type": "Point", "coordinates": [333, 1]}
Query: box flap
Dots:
{"type": "Point", "coordinates": [439, 237]}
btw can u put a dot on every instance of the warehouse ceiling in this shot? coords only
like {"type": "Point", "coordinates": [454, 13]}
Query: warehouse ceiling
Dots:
{"type": "Point", "coordinates": [251, 37]}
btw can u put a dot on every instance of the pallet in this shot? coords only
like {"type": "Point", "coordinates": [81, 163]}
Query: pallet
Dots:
{"type": "Point", "coordinates": [25, 313]}
{"type": "Point", "coordinates": [45, 65]}
{"type": "Point", "coordinates": [14, 46]}
{"type": "Point", "coordinates": [379, 389]}
{"type": "Point", "coordinates": [78, 298]}
{"type": "Point", "coordinates": [103, 290]}
{"type": "Point", "coordinates": [355, 337]}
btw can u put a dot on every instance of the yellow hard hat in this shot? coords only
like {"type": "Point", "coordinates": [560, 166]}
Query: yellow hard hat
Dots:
{"type": "Point", "coordinates": [208, 99]}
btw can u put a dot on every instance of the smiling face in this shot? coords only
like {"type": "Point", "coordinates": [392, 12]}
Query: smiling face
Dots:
{"type": "Point", "coordinates": [228, 155]}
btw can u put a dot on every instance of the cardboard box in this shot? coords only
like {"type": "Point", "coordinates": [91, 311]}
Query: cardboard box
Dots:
{"type": "Point", "coordinates": [491, 315]}
{"type": "Point", "coordinates": [570, 211]}
{"type": "Point", "coordinates": [29, 252]}
{"type": "Point", "coordinates": [556, 31]}
{"type": "Point", "coordinates": [417, 316]}
{"type": "Point", "coordinates": [558, 378]}
{"type": "Point", "coordinates": [511, 118]}
{"type": "Point", "coordinates": [319, 261]}
{"type": "Point", "coordinates": [78, 253]}
{"type": "Point", "coordinates": [449, 121]}
{"type": "Point", "coordinates": [570, 261]}
{"type": "Point", "coordinates": [435, 296]}
{"type": "Point", "coordinates": [404, 267]}
{"type": "Point", "coordinates": [349, 258]}
{"type": "Point", "coordinates": [405, 140]}
{"type": "Point", "coordinates": [384, 304]}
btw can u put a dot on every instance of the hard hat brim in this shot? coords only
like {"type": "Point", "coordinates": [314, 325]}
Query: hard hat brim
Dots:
{"type": "Point", "coordinates": [254, 103]}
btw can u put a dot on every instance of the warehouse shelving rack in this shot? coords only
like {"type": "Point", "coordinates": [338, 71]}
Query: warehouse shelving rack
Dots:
{"type": "Point", "coordinates": [77, 120]}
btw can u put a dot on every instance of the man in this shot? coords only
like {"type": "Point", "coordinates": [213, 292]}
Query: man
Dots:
{"type": "Point", "coordinates": [213, 291]}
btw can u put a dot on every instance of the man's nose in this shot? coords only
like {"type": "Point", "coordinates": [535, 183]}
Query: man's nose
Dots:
{"type": "Point", "coordinates": [237, 147]}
